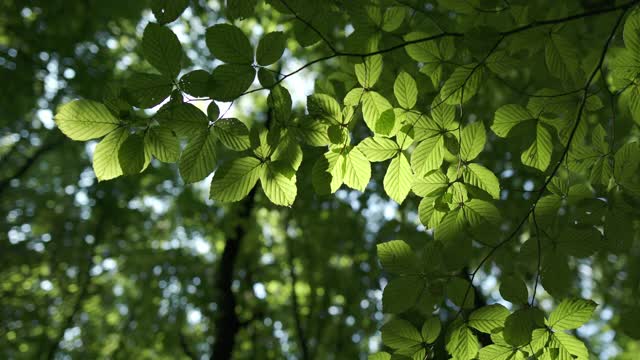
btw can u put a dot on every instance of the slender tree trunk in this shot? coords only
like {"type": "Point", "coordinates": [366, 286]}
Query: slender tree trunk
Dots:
{"type": "Point", "coordinates": [82, 295]}
{"type": "Point", "coordinates": [295, 307]}
{"type": "Point", "coordinates": [227, 323]}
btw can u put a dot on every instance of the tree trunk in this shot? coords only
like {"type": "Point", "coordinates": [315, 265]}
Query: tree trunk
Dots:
{"type": "Point", "coordinates": [227, 323]}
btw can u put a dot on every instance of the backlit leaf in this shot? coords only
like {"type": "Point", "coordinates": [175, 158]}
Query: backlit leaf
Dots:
{"type": "Point", "coordinates": [85, 120]}
{"type": "Point", "coordinates": [235, 179]}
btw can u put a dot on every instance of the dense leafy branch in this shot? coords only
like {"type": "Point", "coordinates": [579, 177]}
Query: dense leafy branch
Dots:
{"type": "Point", "coordinates": [553, 173]}
{"type": "Point", "coordinates": [402, 45]}
{"type": "Point", "coordinates": [543, 189]}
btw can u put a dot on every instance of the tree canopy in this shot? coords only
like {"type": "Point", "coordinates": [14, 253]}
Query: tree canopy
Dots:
{"type": "Point", "coordinates": [381, 179]}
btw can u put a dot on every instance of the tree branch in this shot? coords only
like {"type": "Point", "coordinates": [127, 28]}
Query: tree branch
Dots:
{"type": "Point", "coordinates": [29, 162]}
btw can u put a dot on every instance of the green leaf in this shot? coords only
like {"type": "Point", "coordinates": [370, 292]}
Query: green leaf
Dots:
{"type": "Point", "coordinates": [328, 173]}
{"type": "Point", "coordinates": [288, 151]}
{"type": "Point", "coordinates": [234, 180]}
{"type": "Point", "coordinates": [482, 178]}
{"type": "Point", "coordinates": [131, 155]}
{"type": "Point", "coordinates": [401, 294]}
{"type": "Point", "coordinates": [444, 116]}
{"type": "Point", "coordinates": [577, 242]}
{"type": "Point", "coordinates": [472, 141]}
{"type": "Point", "coordinates": [213, 111]}
{"type": "Point", "coordinates": [270, 48]}
{"type": "Point", "coordinates": [357, 170]}
{"type": "Point", "coordinates": [496, 352]}
{"type": "Point", "coordinates": [378, 148]}
{"type": "Point", "coordinates": [507, 117]}
{"type": "Point", "coordinates": [428, 155]}
{"type": "Point", "coordinates": [354, 96]}
{"type": "Point", "coordinates": [569, 347]}
{"type": "Point", "coordinates": [459, 6]}
{"type": "Point", "coordinates": [462, 343]}
{"type": "Point", "coordinates": [167, 11]}
{"type": "Point", "coordinates": [459, 290]}
{"type": "Point", "coordinates": [405, 90]}
{"type": "Point", "coordinates": [478, 212]}
{"type": "Point", "coordinates": [615, 228]}
{"type": "Point", "coordinates": [431, 184]}
{"type": "Point", "coordinates": [310, 131]}
{"type": "Point", "coordinates": [462, 85]}
{"type": "Point", "coordinates": [106, 163]}
{"type": "Point", "coordinates": [400, 334]}
{"type": "Point", "coordinates": [148, 90]}
{"type": "Point", "coordinates": [229, 81]}
{"type": "Point", "coordinates": [632, 32]}
{"type": "Point", "coordinates": [538, 155]}
{"type": "Point", "coordinates": [428, 52]}
{"type": "Point", "coordinates": [279, 183]}
{"type": "Point", "coordinates": [626, 162]}
{"type": "Point", "coordinates": [519, 326]}
{"type": "Point", "coordinates": [279, 101]}
{"type": "Point", "coordinates": [405, 137]}
{"type": "Point", "coordinates": [195, 83]}
{"type": "Point", "coordinates": [398, 179]}
{"type": "Point", "coordinates": [337, 134]}
{"type": "Point", "coordinates": [386, 123]}
{"type": "Point", "coordinates": [304, 34]}
{"type": "Point", "coordinates": [514, 290]}
{"type": "Point", "coordinates": [266, 78]}
{"type": "Point", "coordinates": [229, 44]}
{"type": "Point", "coordinates": [162, 49]}
{"type": "Point", "coordinates": [379, 356]}
{"type": "Point", "coordinates": [325, 108]}
{"type": "Point", "coordinates": [539, 340]}
{"type": "Point", "coordinates": [557, 277]}
{"type": "Point", "coordinates": [571, 314]}
{"type": "Point", "coordinates": [263, 142]}
{"type": "Point", "coordinates": [458, 194]}
{"type": "Point", "coordinates": [397, 257]}
{"type": "Point", "coordinates": [240, 9]}
{"type": "Point", "coordinates": [393, 18]}
{"type": "Point", "coordinates": [162, 142]}
{"type": "Point", "coordinates": [184, 118]}
{"type": "Point", "coordinates": [431, 329]}
{"type": "Point", "coordinates": [373, 105]}
{"type": "Point", "coordinates": [368, 72]}
{"type": "Point", "coordinates": [561, 57]}
{"type": "Point", "coordinates": [451, 226]}
{"type": "Point", "coordinates": [488, 318]}
{"type": "Point", "coordinates": [232, 133]}
{"type": "Point", "coordinates": [85, 120]}
{"type": "Point", "coordinates": [198, 159]}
